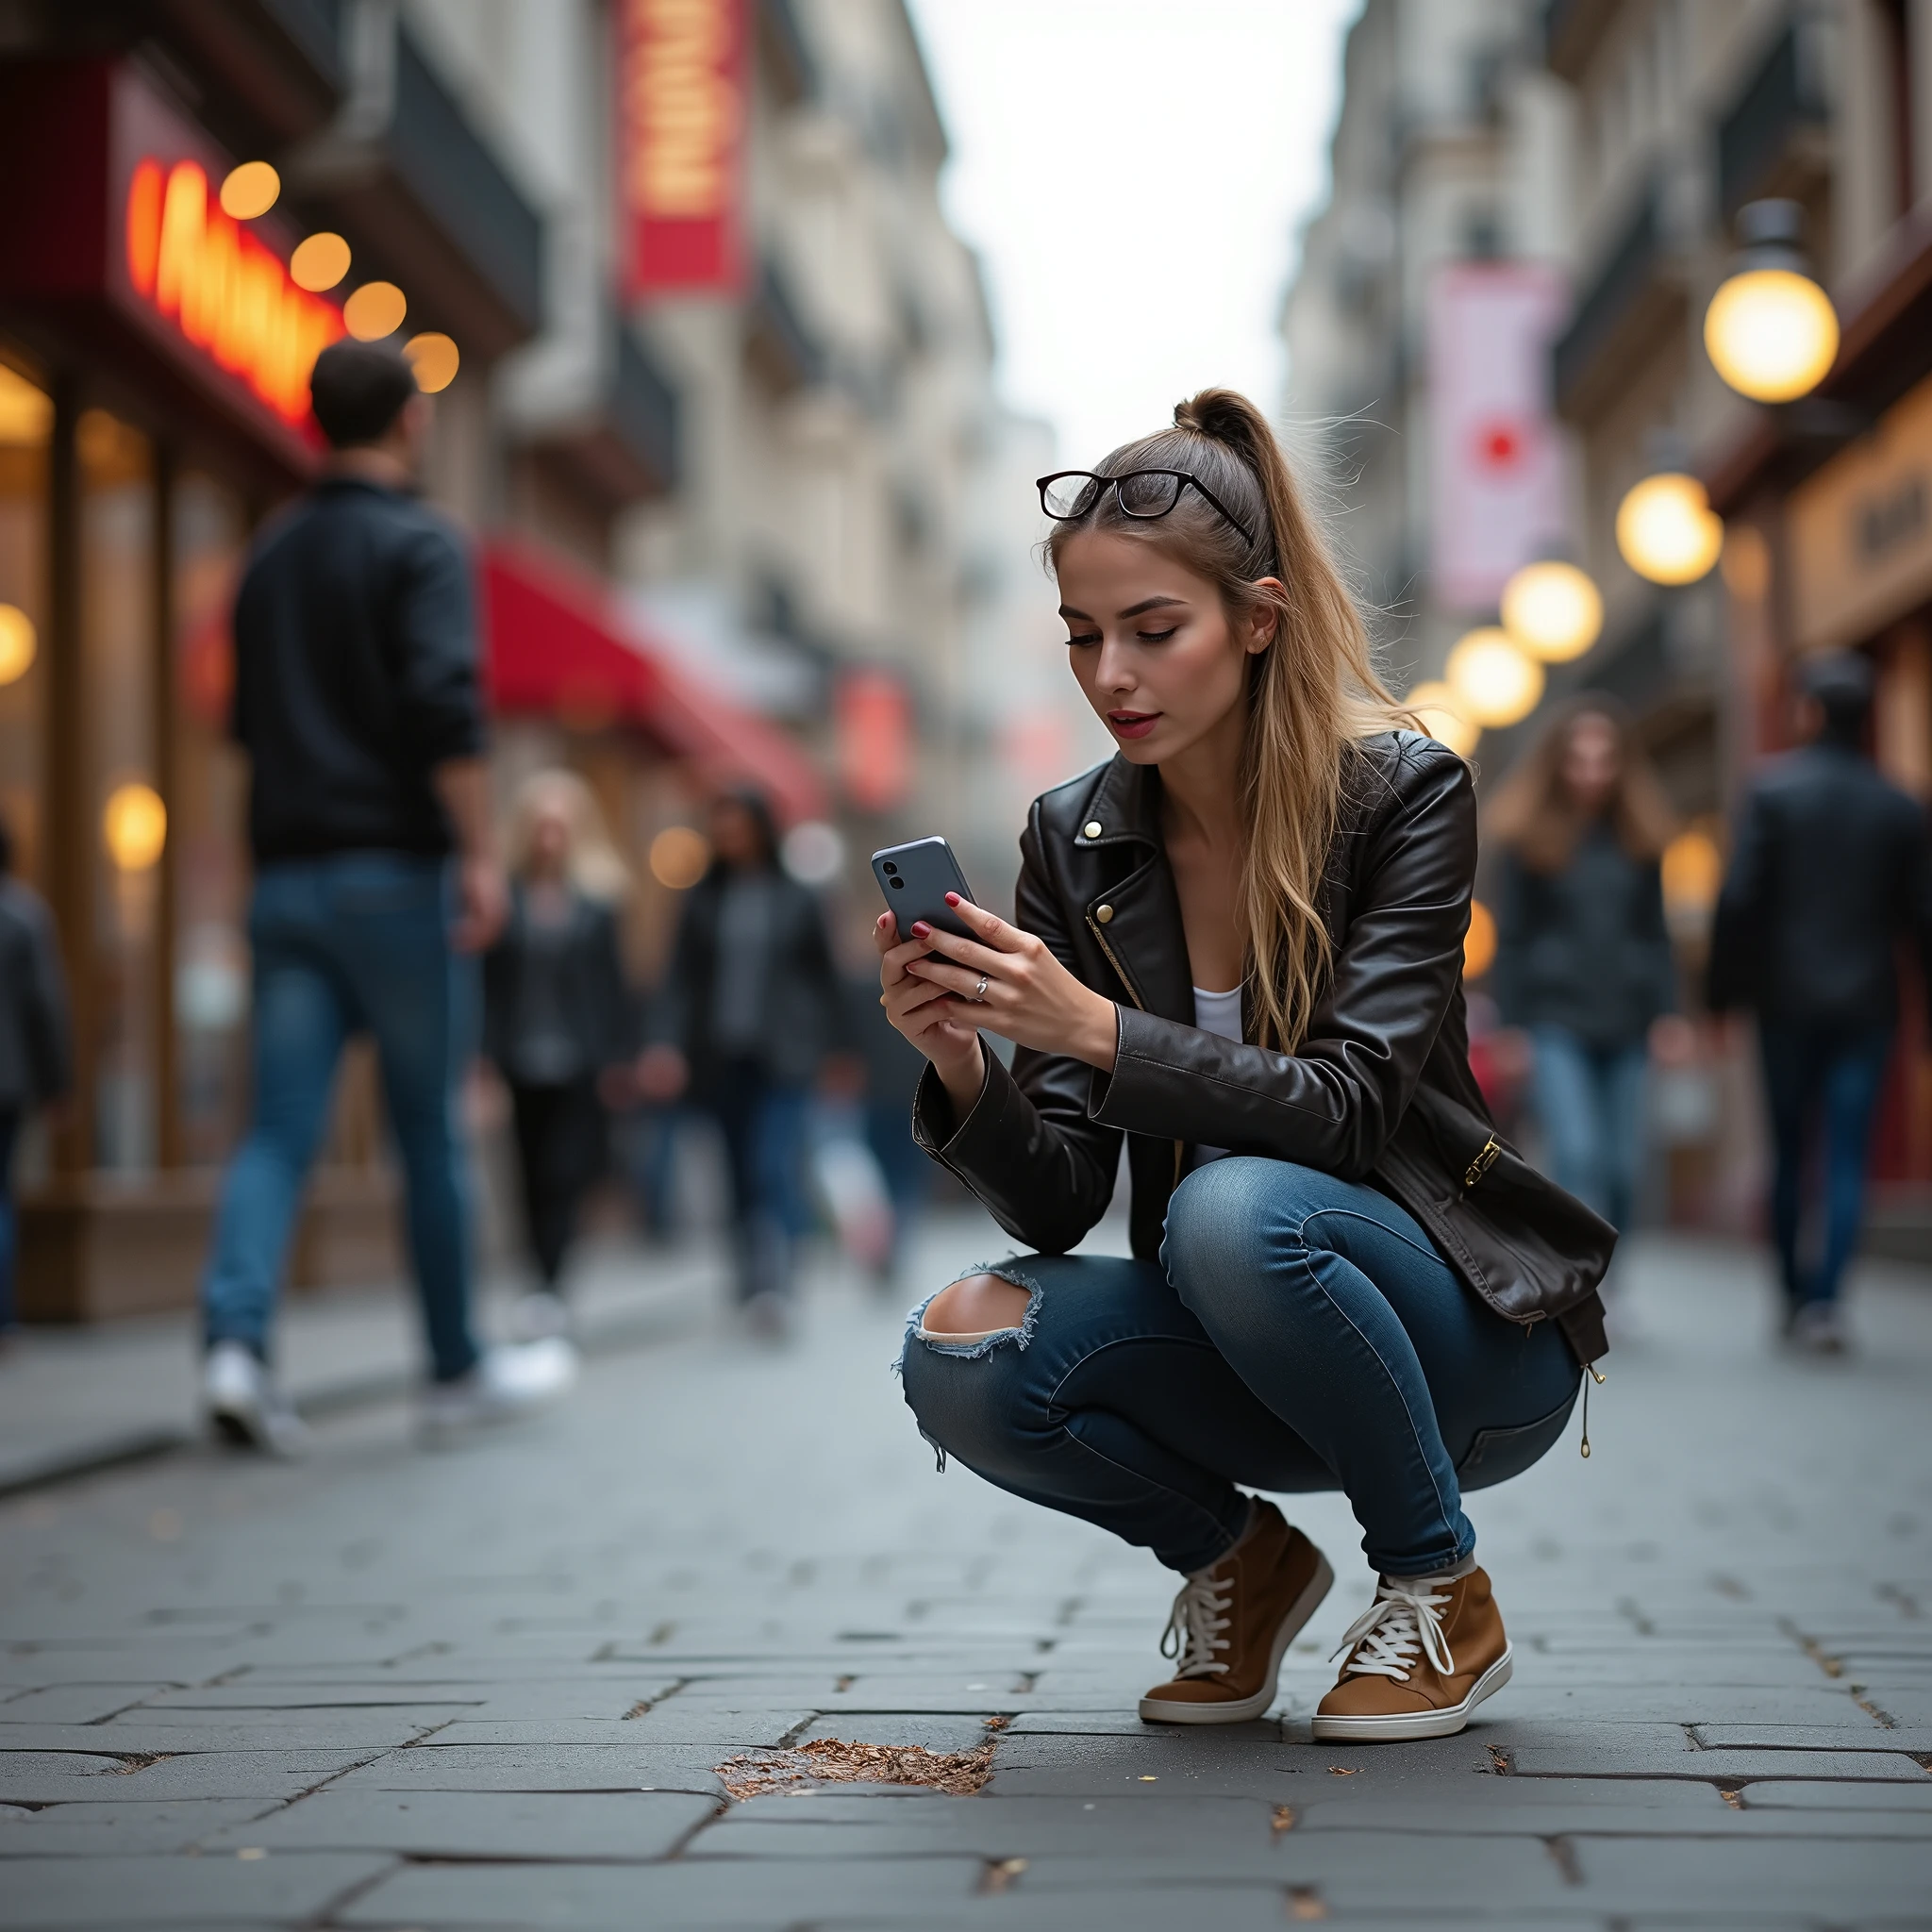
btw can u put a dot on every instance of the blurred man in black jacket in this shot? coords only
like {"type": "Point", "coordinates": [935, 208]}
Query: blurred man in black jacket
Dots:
{"type": "Point", "coordinates": [1830, 872]}
{"type": "Point", "coordinates": [376, 883]}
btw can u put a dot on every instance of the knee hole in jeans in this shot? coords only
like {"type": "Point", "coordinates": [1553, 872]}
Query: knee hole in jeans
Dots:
{"type": "Point", "coordinates": [978, 1305]}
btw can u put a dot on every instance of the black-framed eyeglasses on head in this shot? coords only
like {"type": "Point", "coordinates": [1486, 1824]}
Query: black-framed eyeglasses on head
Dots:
{"type": "Point", "coordinates": [1067, 496]}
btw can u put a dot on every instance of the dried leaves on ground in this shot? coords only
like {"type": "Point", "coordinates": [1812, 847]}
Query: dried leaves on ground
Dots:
{"type": "Point", "coordinates": [830, 1760]}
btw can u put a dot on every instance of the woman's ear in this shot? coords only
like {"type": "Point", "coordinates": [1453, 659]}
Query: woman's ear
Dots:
{"type": "Point", "coordinates": [1264, 619]}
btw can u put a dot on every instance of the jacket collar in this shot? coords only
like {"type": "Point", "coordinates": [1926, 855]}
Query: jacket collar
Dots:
{"type": "Point", "coordinates": [1141, 933]}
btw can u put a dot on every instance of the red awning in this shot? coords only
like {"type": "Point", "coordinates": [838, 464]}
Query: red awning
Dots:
{"type": "Point", "coordinates": [559, 645]}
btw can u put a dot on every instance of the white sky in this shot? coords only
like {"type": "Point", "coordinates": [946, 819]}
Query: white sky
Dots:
{"type": "Point", "coordinates": [1133, 172]}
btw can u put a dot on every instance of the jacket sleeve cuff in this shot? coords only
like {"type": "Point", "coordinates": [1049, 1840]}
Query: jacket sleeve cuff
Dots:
{"type": "Point", "coordinates": [981, 1146]}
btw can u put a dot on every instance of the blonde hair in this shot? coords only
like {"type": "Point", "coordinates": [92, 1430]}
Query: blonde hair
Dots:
{"type": "Point", "coordinates": [1311, 696]}
{"type": "Point", "coordinates": [1535, 816]}
{"type": "Point", "coordinates": [593, 865]}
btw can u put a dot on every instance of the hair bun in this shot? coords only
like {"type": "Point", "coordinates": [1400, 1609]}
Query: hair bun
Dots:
{"type": "Point", "coordinates": [1224, 416]}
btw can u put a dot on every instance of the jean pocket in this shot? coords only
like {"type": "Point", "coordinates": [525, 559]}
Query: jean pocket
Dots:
{"type": "Point", "coordinates": [1496, 1454]}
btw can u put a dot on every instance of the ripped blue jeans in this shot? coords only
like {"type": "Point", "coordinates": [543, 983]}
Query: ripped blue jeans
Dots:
{"type": "Point", "coordinates": [1298, 1333]}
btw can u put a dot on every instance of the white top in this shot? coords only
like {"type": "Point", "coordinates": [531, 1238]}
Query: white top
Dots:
{"type": "Point", "coordinates": [1220, 1013]}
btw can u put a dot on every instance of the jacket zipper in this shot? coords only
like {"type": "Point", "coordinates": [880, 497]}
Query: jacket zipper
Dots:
{"type": "Point", "coordinates": [1113, 960]}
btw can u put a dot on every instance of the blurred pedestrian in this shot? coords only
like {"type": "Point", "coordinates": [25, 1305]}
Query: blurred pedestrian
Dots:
{"type": "Point", "coordinates": [357, 700]}
{"type": "Point", "coordinates": [1829, 872]}
{"type": "Point", "coordinates": [747, 1015]}
{"type": "Point", "coordinates": [557, 1017]}
{"type": "Point", "coordinates": [1583, 957]}
{"type": "Point", "coordinates": [36, 1057]}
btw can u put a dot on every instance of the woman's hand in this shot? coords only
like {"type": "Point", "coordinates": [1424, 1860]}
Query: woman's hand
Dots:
{"type": "Point", "coordinates": [1012, 984]}
{"type": "Point", "coordinates": [942, 1029]}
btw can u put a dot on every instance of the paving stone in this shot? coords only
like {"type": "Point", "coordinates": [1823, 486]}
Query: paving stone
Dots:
{"type": "Point", "coordinates": [1602, 1758]}
{"type": "Point", "coordinates": [930, 1731]}
{"type": "Point", "coordinates": [116, 1830]}
{"type": "Point", "coordinates": [72, 1703]}
{"type": "Point", "coordinates": [537, 1768]}
{"type": "Point", "coordinates": [94, 1892]}
{"type": "Point", "coordinates": [1799, 1794]}
{"type": "Point", "coordinates": [281, 1775]}
{"type": "Point", "coordinates": [349, 1731]}
{"type": "Point", "coordinates": [476, 1824]}
{"type": "Point", "coordinates": [1917, 1739]}
{"type": "Point", "coordinates": [760, 1893]}
{"type": "Point", "coordinates": [665, 1724]}
{"type": "Point", "coordinates": [1829, 1880]}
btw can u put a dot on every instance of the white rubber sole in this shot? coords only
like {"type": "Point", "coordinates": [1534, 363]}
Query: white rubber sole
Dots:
{"type": "Point", "coordinates": [1415, 1723]}
{"type": "Point", "coordinates": [1160, 1711]}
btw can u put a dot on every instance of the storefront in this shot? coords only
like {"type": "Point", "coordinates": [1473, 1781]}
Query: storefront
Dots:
{"type": "Point", "coordinates": [1828, 509]}
{"type": "Point", "coordinates": [154, 359]}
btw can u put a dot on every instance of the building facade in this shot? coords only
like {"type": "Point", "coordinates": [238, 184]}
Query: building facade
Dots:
{"type": "Point", "coordinates": [726, 534]}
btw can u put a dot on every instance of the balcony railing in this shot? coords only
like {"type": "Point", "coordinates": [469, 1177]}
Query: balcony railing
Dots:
{"type": "Point", "coordinates": [1625, 306]}
{"type": "Point", "coordinates": [443, 163]}
{"type": "Point", "coordinates": [1781, 103]}
{"type": "Point", "coordinates": [644, 411]}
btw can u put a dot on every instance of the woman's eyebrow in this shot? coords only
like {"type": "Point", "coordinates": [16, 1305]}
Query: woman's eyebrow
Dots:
{"type": "Point", "coordinates": [1147, 604]}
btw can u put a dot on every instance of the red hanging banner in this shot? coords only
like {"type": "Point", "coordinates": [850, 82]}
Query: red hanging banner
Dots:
{"type": "Point", "coordinates": [683, 86]}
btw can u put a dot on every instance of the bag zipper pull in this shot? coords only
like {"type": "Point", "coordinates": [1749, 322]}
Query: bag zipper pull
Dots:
{"type": "Point", "coordinates": [1599, 1379]}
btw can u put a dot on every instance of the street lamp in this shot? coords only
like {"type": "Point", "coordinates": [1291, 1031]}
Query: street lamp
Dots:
{"type": "Point", "coordinates": [1553, 610]}
{"type": "Point", "coordinates": [1667, 529]}
{"type": "Point", "coordinates": [1771, 331]}
{"type": "Point", "coordinates": [134, 826]}
{"type": "Point", "coordinates": [1495, 682]}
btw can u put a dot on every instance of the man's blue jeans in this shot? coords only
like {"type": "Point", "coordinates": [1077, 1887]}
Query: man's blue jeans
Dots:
{"type": "Point", "coordinates": [1590, 1100]}
{"type": "Point", "coordinates": [1298, 1333]}
{"type": "Point", "coordinates": [1819, 1079]}
{"type": "Point", "coordinates": [351, 942]}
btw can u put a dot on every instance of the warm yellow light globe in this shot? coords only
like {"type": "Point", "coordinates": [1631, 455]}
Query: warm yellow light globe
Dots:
{"type": "Point", "coordinates": [1667, 529]}
{"type": "Point", "coordinates": [1479, 942]}
{"type": "Point", "coordinates": [250, 191]}
{"type": "Point", "coordinates": [1494, 681]}
{"type": "Point", "coordinates": [1693, 872]}
{"type": "Point", "coordinates": [679, 857]}
{"type": "Point", "coordinates": [374, 310]}
{"type": "Point", "coordinates": [134, 826]}
{"type": "Point", "coordinates": [1771, 334]}
{"type": "Point", "coordinates": [320, 262]}
{"type": "Point", "coordinates": [17, 643]}
{"type": "Point", "coordinates": [1434, 706]}
{"type": "Point", "coordinates": [435, 359]}
{"type": "Point", "coordinates": [1553, 610]}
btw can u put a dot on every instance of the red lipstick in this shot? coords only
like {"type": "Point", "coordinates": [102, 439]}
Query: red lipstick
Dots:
{"type": "Point", "coordinates": [1132, 724]}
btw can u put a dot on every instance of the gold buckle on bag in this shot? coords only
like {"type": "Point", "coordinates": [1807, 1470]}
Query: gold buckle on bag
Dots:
{"type": "Point", "coordinates": [1483, 1162]}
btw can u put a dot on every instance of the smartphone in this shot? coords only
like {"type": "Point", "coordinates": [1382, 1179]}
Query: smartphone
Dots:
{"type": "Point", "coordinates": [916, 879]}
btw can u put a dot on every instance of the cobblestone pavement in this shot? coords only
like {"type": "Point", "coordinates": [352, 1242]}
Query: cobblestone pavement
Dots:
{"type": "Point", "coordinates": [491, 1688]}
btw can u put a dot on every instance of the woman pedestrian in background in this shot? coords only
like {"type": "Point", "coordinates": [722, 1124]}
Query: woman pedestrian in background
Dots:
{"type": "Point", "coordinates": [1583, 960]}
{"type": "Point", "coordinates": [558, 1019]}
{"type": "Point", "coordinates": [749, 1010]}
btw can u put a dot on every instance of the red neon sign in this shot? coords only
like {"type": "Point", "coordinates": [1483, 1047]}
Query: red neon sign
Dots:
{"type": "Point", "coordinates": [681, 110]}
{"type": "Point", "coordinates": [225, 289]}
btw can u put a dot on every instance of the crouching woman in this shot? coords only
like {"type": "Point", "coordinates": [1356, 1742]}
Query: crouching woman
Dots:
{"type": "Point", "coordinates": [1239, 944]}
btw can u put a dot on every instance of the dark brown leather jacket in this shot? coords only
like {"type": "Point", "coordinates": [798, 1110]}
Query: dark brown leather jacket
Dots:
{"type": "Point", "coordinates": [1380, 1091]}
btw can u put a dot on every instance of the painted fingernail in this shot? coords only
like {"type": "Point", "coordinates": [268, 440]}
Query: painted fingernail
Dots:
{"type": "Point", "coordinates": [954, 899]}
{"type": "Point", "coordinates": [920, 930]}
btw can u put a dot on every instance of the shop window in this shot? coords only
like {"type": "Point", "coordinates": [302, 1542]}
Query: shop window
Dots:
{"type": "Point", "coordinates": [26, 422]}
{"type": "Point", "coordinates": [117, 620]}
{"type": "Point", "coordinates": [208, 811]}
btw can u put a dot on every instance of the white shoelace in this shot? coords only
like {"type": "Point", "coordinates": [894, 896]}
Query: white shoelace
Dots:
{"type": "Point", "coordinates": [1404, 1621]}
{"type": "Point", "coordinates": [1196, 1623]}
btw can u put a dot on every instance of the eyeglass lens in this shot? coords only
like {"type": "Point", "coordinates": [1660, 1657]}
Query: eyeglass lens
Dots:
{"type": "Point", "coordinates": [1143, 493]}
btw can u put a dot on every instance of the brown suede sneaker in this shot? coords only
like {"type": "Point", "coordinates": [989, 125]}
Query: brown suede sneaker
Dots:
{"type": "Point", "coordinates": [1233, 1620]}
{"type": "Point", "coordinates": [1423, 1656]}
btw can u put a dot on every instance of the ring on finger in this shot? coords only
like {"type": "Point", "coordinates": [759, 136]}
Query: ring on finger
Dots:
{"type": "Point", "coordinates": [979, 994]}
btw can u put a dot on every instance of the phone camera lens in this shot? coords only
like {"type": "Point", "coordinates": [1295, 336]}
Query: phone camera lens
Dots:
{"type": "Point", "coordinates": [891, 870]}
{"type": "Point", "coordinates": [898, 884]}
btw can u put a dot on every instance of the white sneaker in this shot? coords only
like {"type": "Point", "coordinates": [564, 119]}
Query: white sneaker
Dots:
{"type": "Point", "coordinates": [507, 1382]}
{"type": "Point", "coordinates": [1818, 1329]}
{"type": "Point", "coordinates": [247, 1406]}
{"type": "Point", "coordinates": [539, 1318]}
